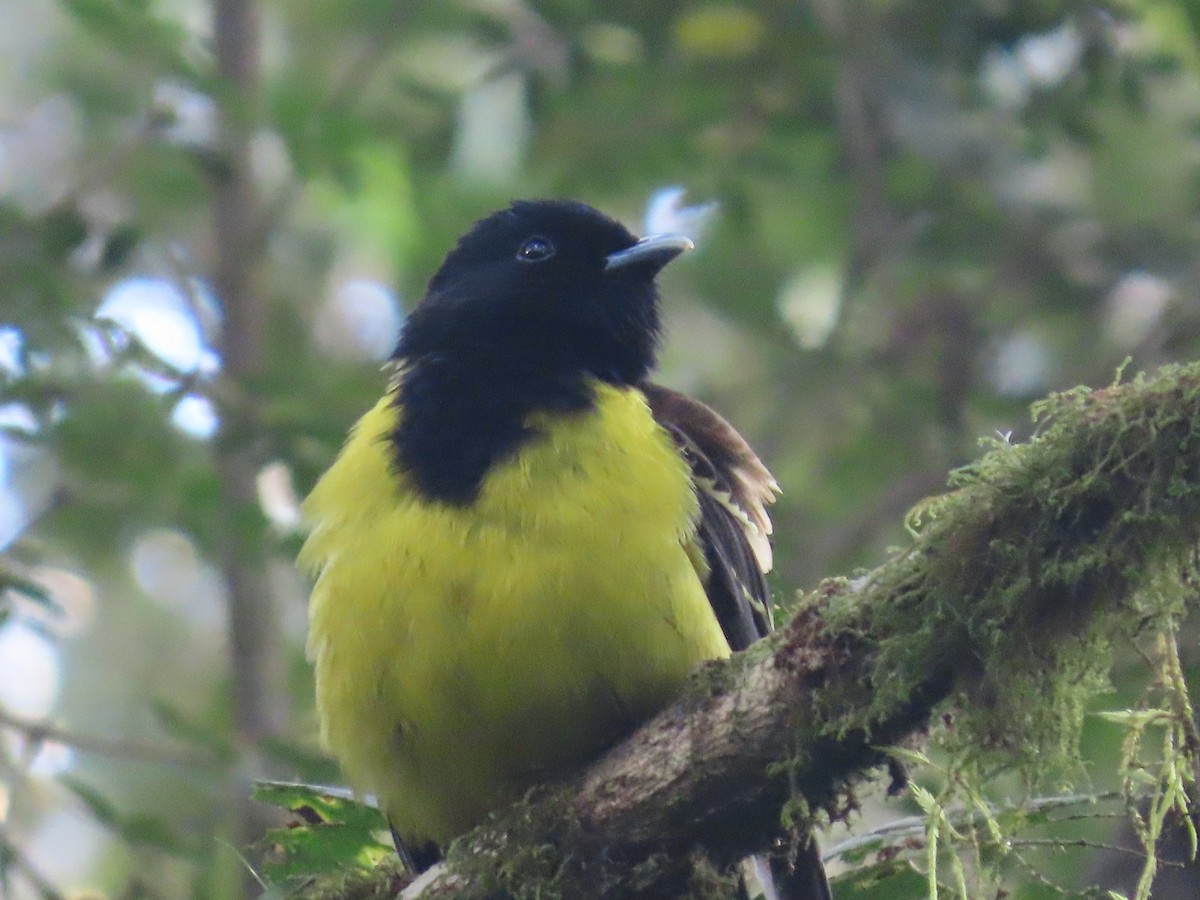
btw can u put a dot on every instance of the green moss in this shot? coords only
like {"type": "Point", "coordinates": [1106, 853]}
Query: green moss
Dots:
{"type": "Point", "coordinates": [384, 882]}
{"type": "Point", "coordinates": [1019, 582]}
{"type": "Point", "coordinates": [1062, 535]}
{"type": "Point", "coordinates": [527, 864]}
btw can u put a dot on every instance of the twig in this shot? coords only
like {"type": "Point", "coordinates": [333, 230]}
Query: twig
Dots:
{"type": "Point", "coordinates": [1059, 890]}
{"type": "Point", "coordinates": [849, 26]}
{"type": "Point", "coordinates": [1087, 817]}
{"type": "Point", "coordinates": [254, 632]}
{"type": "Point", "coordinates": [915, 825]}
{"type": "Point", "coordinates": [19, 861]}
{"type": "Point", "coordinates": [1059, 843]}
{"type": "Point", "coordinates": [37, 732]}
{"type": "Point", "coordinates": [257, 661]}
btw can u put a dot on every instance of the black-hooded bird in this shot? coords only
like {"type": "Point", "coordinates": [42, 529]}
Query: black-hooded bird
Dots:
{"type": "Point", "coordinates": [525, 546]}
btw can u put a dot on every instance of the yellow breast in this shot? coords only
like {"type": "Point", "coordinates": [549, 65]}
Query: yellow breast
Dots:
{"type": "Point", "coordinates": [464, 653]}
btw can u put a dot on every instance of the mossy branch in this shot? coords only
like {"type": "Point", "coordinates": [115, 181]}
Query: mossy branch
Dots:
{"type": "Point", "coordinates": [1000, 612]}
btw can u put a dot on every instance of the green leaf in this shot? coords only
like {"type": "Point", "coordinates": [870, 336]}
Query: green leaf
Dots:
{"type": "Point", "coordinates": [320, 804]}
{"type": "Point", "coordinates": [31, 590]}
{"type": "Point", "coordinates": [188, 729]}
{"type": "Point", "coordinates": [100, 806]}
{"type": "Point", "coordinates": [924, 799]}
{"type": "Point", "coordinates": [63, 229]}
{"type": "Point", "coordinates": [131, 29]}
{"type": "Point", "coordinates": [907, 755]}
{"type": "Point", "coordinates": [152, 831]}
{"type": "Point", "coordinates": [1135, 718]}
{"type": "Point", "coordinates": [891, 879]}
{"type": "Point", "coordinates": [119, 246]}
{"type": "Point", "coordinates": [310, 765]}
{"type": "Point", "coordinates": [333, 832]}
{"type": "Point", "coordinates": [720, 31]}
{"type": "Point", "coordinates": [138, 829]}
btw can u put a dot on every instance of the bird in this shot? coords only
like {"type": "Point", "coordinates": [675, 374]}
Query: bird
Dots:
{"type": "Point", "coordinates": [526, 545]}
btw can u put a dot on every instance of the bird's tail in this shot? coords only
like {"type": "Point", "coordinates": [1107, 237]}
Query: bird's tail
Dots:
{"type": "Point", "coordinates": [781, 876]}
{"type": "Point", "coordinates": [415, 857]}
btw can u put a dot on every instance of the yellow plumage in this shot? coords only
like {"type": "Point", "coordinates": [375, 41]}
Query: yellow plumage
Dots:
{"type": "Point", "coordinates": [463, 653]}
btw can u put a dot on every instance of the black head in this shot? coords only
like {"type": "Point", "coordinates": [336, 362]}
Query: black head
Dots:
{"type": "Point", "coordinates": [549, 285]}
{"type": "Point", "coordinates": [533, 303]}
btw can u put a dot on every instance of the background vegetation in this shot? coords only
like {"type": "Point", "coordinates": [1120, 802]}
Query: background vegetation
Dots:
{"type": "Point", "coordinates": [213, 218]}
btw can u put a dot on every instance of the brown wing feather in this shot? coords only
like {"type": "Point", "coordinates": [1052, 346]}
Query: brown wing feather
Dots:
{"type": "Point", "coordinates": [734, 488]}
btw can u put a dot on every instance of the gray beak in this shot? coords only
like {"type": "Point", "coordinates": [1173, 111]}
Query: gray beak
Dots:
{"type": "Point", "coordinates": [655, 250]}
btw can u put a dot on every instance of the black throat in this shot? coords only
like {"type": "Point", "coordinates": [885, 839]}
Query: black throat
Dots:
{"type": "Point", "coordinates": [461, 416]}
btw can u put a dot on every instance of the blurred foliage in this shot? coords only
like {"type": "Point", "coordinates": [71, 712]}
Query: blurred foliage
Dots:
{"type": "Point", "coordinates": [930, 213]}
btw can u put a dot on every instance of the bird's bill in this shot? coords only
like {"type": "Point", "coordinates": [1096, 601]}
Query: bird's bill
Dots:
{"type": "Point", "coordinates": [655, 249]}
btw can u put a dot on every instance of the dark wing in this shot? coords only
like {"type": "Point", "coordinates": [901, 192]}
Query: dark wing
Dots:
{"type": "Point", "coordinates": [734, 488]}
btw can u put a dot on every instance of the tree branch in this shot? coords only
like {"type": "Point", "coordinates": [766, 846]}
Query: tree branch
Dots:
{"type": "Point", "coordinates": [37, 732]}
{"type": "Point", "coordinates": [257, 659]}
{"type": "Point", "coordinates": [1001, 610]}
{"type": "Point", "coordinates": [15, 860]}
{"type": "Point", "coordinates": [254, 632]}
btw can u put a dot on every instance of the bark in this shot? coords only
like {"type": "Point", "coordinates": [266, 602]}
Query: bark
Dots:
{"type": "Point", "coordinates": [254, 632]}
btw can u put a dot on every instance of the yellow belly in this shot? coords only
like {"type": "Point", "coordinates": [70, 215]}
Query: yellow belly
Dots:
{"type": "Point", "coordinates": [463, 654]}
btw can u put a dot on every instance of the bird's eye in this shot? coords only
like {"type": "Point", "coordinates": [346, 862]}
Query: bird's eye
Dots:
{"type": "Point", "coordinates": [535, 249]}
